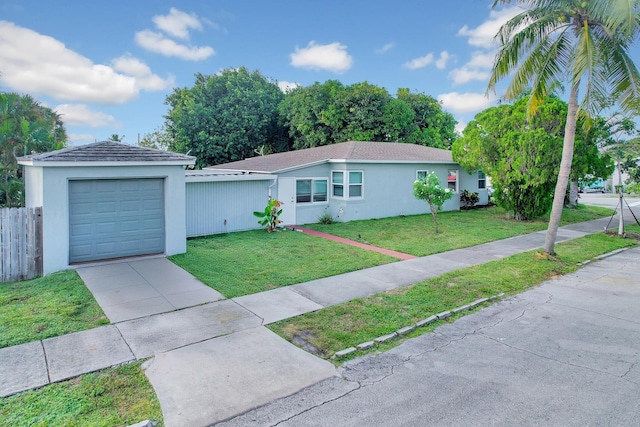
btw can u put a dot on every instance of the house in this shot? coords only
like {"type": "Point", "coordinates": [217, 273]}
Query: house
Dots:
{"type": "Point", "coordinates": [355, 180]}
{"type": "Point", "coordinates": [107, 200]}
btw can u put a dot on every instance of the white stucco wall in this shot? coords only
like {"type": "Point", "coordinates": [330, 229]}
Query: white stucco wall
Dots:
{"type": "Point", "coordinates": [388, 190]}
{"type": "Point", "coordinates": [48, 187]}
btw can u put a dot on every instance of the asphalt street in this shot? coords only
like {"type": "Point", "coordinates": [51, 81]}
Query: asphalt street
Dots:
{"type": "Point", "coordinates": [566, 353]}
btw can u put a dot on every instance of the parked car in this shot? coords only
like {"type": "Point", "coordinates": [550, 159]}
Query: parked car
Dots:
{"type": "Point", "coordinates": [596, 187]}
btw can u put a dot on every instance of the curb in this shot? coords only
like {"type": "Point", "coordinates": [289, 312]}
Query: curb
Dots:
{"type": "Point", "coordinates": [603, 256]}
{"type": "Point", "coordinates": [408, 329]}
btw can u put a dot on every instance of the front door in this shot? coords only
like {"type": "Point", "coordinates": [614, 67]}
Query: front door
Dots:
{"type": "Point", "coordinates": [287, 195]}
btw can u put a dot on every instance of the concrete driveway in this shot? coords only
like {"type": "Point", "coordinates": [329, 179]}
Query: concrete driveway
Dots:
{"type": "Point", "coordinates": [133, 289]}
{"type": "Point", "coordinates": [566, 353]}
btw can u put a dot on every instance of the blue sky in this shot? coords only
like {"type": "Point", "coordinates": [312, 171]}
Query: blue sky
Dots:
{"type": "Point", "coordinates": [107, 67]}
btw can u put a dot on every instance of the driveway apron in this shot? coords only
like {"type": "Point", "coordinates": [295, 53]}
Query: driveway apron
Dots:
{"type": "Point", "coordinates": [135, 289]}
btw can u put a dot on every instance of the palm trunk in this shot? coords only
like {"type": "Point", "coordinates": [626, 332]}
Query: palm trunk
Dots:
{"type": "Point", "coordinates": [563, 173]}
{"type": "Point", "coordinates": [573, 193]}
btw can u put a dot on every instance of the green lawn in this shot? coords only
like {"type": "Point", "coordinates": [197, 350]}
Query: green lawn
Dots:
{"type": "Point", "coordinates": [346, 325]}
{"type": "Point", "coordinates": [112, 397]}
{"type": "Point", "coordinates": [243, 263]}
{"type": "Point", "coordinates": [49, 306]}
{"type": "Point", "coordinates": [247, 262]}
{"type": "Point", "coordinates": [414, 234]}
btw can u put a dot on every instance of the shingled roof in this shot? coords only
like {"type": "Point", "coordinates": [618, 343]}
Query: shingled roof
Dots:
{"type": "Point", "coordinates": [108, 151]}
{"type": "Point", "coordinates": [391, 152]}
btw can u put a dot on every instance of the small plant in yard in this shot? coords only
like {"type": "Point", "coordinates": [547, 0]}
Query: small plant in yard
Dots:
{"type": "Point", "coordinates": [269, 216]}
{"type": "Point", "coordinates": [326, 217]}
{"type": "Point", "coordinates": [469, 199]}
{"type": "Point", "coordinates": [429, 190]}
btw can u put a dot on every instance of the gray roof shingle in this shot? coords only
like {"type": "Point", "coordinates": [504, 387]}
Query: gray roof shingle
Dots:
{"type": "Point", "coordinates": [351, 150]}
{"type": "Point", "coordinates": [109, 151]}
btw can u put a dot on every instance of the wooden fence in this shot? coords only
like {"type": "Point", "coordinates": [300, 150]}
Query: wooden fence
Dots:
{"type": "Point", "coordinates": [20, 243]}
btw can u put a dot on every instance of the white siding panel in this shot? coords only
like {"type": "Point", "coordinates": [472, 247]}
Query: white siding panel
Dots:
{"type": "Point", "coordinates": [222, 207]}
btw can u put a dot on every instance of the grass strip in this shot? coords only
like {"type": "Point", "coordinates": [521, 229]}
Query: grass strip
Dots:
{"type": "Point", "coordinates": [458, 229]}
{"type": "Point", "coordinates": [46, 307]}
{"type": "Point", "coordinates": [349, 324]}
{"type": "Point", "coordinates": [111, 397]}
{"type": "Point", "coordinates": [242, 263]}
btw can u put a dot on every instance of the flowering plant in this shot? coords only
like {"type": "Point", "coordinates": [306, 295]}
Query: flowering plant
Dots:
{"type": "Point", "coordinates": [269, 216]}
{"type": "Point", "coordinates": [429, 190]}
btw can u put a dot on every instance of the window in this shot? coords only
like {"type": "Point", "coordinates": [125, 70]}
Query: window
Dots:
{"type": "Point", "coordinates": [353, 181]}
{"type": "Point", "coordinates": [421, 174]}
{"type": "Point", "coordinates": [311, 190]}
{"type": "Point", "coordinates": [355, 184]}
{"type": "Point", "coordinates": [337, 183]}
{"type": "Point", "coordinates": [452, 179]}
{"type": "Point", "coordinates": [482, 180]}
{"type": "Point", "coordinates": [319, 190]}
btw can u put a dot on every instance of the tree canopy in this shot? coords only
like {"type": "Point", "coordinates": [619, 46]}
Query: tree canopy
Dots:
{"type": "Point", "coordinates": [584, 44]}
{"type": "Point", "coordinates": [26, 127]}
{"type": "Point", "coordinates": [330, 112]}
{"type": "Point", "coordinates": [522, 154]}
{"type": "Point", "coordinates": [225, 117]}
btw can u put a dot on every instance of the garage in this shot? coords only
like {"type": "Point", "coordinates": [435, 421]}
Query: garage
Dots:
{"type": "Point", "coordinates": [107, 200]}
{"type": "Point", "coordinates": [112, 218]}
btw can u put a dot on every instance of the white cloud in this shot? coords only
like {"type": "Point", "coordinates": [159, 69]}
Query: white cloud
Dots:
{"type": "Point", "coordinates": [41, 65]}
{"type": "Point", "coordinates": [177, 23]}
{"type": "Point", "coordinates": [476, 69]}
{"type": "Point", "coordinates": [465, 75]}
{"type": "Point", "coordinates": [386, 48]}
{"type": "Point", "coordinates": [481, 60]}
{"type": "Point", "coordinates": [483, 35]}
{"type": "Point", "coordinates": [158, 43]}
{"type": "Point", "coordinates": [287, 86]}
{"type": "Point", "coordinates": [467, 102]}
{"type": "Point", "coordinates": [421, 62]}
{"type": "Point", "coordinates": [75, 139]}
{"type": "Point", "coordinates": [145, 79]}
{"type": "Point", "coordinates": [441, 63]}
{"type": "Point", "coordinates": [81, 115]}
{"type": "Point", "coordinates": [332, 57]}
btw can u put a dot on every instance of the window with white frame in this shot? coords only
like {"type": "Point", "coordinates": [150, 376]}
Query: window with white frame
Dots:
{"type": "Point", "coordinates": [482, 180]}
{"type": "Point", "coordinates": [337, 184]}
{"type": "Point", "coordinates": [355, 184]}
{"type": "Point", "coordinates": [452, 179]}
{"type": "Point", "coordinates": [311, 190]}
{"type": "Point", "coordinates": [352, 181]}
{"type": "Point", "coordinates": [421, 174]}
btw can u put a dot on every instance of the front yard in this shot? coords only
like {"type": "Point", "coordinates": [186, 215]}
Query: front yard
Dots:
{"type": "Point", "coordinates": [243, 263]}
{"type": "Point", "coordinates": [458, 229]}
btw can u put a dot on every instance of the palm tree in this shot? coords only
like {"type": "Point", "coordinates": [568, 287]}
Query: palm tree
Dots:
{"type": "Point", "coordinates": [582, 43]}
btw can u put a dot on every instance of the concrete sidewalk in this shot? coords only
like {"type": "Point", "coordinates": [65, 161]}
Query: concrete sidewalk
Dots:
{"type": "Point", "coordinates": [184, 342]}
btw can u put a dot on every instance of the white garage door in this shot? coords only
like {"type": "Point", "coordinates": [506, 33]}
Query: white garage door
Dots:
{"type": "Point", "coordinates": [111, 218]}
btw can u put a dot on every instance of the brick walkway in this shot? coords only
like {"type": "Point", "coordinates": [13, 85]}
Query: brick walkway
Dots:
{"type": "Point", "coordinates": [388, 252]}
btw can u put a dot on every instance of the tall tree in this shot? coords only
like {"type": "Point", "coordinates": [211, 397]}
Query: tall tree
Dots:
{"type": "Point", "coordinates": [432, 126]}
{"type": "Point", "coordinates": [225, 117]}
{"type": "Point", "coordinates": [582, 43]}
{"type": "Point", "coordinates": [26, 127]}
{"type": "Point", "coordinates": [520, 154]}
{"type": "Point", "coordinates": [330, 112]}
